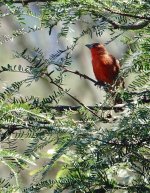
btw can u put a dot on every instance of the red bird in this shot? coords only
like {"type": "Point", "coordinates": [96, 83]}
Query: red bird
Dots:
{"type": "Point", "coordinates": [105, 66]}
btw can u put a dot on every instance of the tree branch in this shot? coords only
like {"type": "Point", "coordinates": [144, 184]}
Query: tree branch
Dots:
{"type": "Point", "coordinates": [74, 98]}
{"type": "Point", "coordinates": [81, 75]}
{"type": "Point", "coordinates": [96, 83]}
{"type": "Point", "coordinates": [140, 92]}
{"type": "Point", "coordinates": [9, 131]}
{"type": "Point", "coordinates": [32, 1]}
{"type": "Point", "coordinates": [75, 108]}
{"type": "Point", "coordinates": [116, 25]}
{"type": "Point", "coordinates": [102, 85]}
{"type": "Point", "coordinates": [134, 26]}
{"type": "Point", "coordinates": [125, 14]}
{"type": "Point", "coordinates": [117, 107]}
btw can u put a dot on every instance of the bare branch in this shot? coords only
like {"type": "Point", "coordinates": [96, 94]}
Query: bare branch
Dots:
{"type": "Point", "coordinates": [127, 14]}
{"type": "Point", "coordinates": [80, 74]}
{"type": "Point", "coordinates": [75, 108]}
{"type": "Point", "coordinates": [32, 1]}
{"type": "Point", "coordinates": [133, 26]}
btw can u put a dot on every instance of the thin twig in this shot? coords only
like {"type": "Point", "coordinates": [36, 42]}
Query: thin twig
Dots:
{"type": "Point", "coordinates": [74, 98]}
{"type": "Point", "coordinates": [96, 83]}
{"type": "Point", "coordinates": [94, 107]}
{"type": "Point", "coordinates": [140, 92]}
{"type": "Point", "coordinates": [32, 1]}
{"type": "Point", "coordinates": [9, 131]}
{"type": "Point", "coordinates": [80, 74]}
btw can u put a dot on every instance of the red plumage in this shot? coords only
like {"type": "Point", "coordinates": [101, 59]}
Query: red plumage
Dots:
{"type": "Point", "coordinates": [105, 66]}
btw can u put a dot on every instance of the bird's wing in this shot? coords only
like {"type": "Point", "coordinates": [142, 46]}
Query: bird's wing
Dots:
{"type": "Point", "coordinates": [116, 65]}
{"type": "Point", "coordinates": [120, 81]}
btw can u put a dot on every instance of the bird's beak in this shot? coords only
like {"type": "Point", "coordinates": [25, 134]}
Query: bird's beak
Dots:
{"type": "Point", "coordinates": [89, 45]}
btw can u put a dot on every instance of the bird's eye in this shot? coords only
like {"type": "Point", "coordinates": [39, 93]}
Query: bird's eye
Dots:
{"type": "Point", "coordinates": [95, 45]}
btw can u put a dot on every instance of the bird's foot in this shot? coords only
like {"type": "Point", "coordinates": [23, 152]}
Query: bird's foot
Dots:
{"type": "Point", "coordinates": [103, 85]}
{"type": "Point", "coordinates": [100, 83]}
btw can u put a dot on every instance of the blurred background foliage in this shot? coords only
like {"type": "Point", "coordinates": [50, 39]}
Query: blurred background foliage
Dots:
{"type": "Point", "coordinates": [45, 145]}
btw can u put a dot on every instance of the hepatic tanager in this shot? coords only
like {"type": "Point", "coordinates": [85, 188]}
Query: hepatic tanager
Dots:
{"type": "Point", "coordinates": [105, 66]}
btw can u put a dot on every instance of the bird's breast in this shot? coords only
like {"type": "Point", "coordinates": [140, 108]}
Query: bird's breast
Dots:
{"type": "Point", "coordinates": [104, 68]}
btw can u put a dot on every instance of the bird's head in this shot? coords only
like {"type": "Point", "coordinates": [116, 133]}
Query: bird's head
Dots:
{"type": "Point", "coordinates": [97, 48]}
